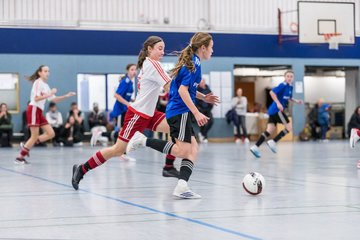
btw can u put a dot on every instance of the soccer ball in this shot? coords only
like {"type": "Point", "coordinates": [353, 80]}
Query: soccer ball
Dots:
{"type": "Point", "coordinates": [253, 183]}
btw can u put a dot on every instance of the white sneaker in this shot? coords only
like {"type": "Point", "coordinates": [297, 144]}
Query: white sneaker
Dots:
{"type": "Point", "coordinates": [238, 141]}
{"type": "Point", "coordinates": [272, 146]}
{"type": "Point", "coordinates": [125, 157]}
{"type": "Point", "coordinates": [354, 137]}
{"type": "Point", "coordinates": [182, 190]}
{"type": "Point", "coordinates": [246, 141]}
{"type": "Point", "coordinates": [94, 138]}
{"type": "Point", "coordinates": [205, 140]}
{"type": "Point", "coordinates": [255, 150]}
{"type": "Point", "coordinates": [201, 137]}
{"type": "Point", "coordinates": [137, 141]}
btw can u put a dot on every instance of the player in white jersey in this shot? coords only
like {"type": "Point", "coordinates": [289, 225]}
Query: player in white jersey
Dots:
{"type": "Point", "coordinates": [40, 92]}
{"type": "Point", "coordinates": [142, 113]}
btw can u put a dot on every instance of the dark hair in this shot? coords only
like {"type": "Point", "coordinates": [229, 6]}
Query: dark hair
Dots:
{"type": "Point", "coordinates": [73, 104]}
{"type": "Point", "coordinates": [150, 42]}
{"type": "Point", "coordinates": [52, 104]}
{"type": "Point", "coordinates": [129, 66]}
{"type": "Point", "coordinates": [356, 110]}
{"type": "Point", "coordinates": [185, 58]}
{"type": "Point", "coordinates": [35, 75]}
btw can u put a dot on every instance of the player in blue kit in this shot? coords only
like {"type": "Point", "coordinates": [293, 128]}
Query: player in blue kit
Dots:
{"type": "Point", "coordinates": [123, 93]}
{"type": "Point", "coordinates": [281, 95]}
{"type": "Point", "coordinates": [181, 110]}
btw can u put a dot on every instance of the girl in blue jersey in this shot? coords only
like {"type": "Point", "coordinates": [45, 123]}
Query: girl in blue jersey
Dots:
{"type": "Point", "coordinates": [181, 110]}
{"type": "Point", "coordinates": [123, 93]}
{"type": "Point", "coordinates": [281, 95]}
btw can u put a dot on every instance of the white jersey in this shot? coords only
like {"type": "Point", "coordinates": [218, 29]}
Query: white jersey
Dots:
{"type": "Point", "coordinates": [40, 88]}
{"type": "Point", "coordinates": [152, 78]}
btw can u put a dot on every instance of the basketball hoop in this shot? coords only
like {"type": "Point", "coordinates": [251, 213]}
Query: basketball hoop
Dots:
{"type": "Point", "coordinates": [332, 39]}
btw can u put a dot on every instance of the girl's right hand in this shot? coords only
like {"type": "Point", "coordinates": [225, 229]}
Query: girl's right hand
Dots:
{"type": "Point", "coordinates": [201, 119]}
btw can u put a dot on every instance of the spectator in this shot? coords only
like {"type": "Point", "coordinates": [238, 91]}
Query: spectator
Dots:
{"type": "Point", "coordinates": [78, 116]}
{"type": "Point", "coordinates": [54, 118]}
{"type": "Point", "coordinates": [354, 120]}
{"type": "Point", "coordinates": [97, 123]}
{"type": "Point", "coordinates": [313, 121]}
{"type": "Point", "coordinates": [205, 108]}
{"type": "Point", "coordinates": [240, 104]}
{"type": "Point", "coordinates": [25, 127]}
{"type": "Point", "coordinates": [71, 133]}
{"type": "Point", "coordinates": [323, 118]}
{"type": "Point", "coordinates": [5, 126]}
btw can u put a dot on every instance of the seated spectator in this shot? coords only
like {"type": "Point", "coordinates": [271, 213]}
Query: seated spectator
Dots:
{"type": "Point", "coordinates": [25, 129]}
{"type": "Point", "coordinates": [313, 121]}
{"type": "Point", "coordinates": [323, 118]}
{"type": "Point", "coordinates": [354, 120]}
{"type": "Point", "coordinates": [97, 123]}
{"type": "Point", "coordinates": [71, 134]}
{"type": "Point", "coordinates": [78, 116]}
{"type": "Point", "coordinates": [54, 118]}
{"type": "Point", "coordinates": [6, 126]}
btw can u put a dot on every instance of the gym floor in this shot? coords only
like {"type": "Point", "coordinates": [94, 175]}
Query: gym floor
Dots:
{"type": "Point", "coordinates": [312, 192]}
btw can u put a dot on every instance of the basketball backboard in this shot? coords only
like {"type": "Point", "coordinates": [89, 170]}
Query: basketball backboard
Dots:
{"type": "Point", "coordinates": [321, 22]}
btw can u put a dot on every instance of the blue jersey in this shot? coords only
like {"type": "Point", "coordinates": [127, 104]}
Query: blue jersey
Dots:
{"type": "Point", "coordinates": [284, 93]}
{"type": "Point", "coordinates": [125, 90]}
{"type": "Point", "coordinates": [176, 105]}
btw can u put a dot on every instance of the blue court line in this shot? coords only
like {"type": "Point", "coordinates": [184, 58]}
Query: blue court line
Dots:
{"type": "Point", "coordinates": [240, 234]}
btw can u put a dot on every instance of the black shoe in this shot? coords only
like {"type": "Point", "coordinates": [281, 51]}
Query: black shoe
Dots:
{"type": "Point", "coordinates": [172, 172]}
{"type": "Point", "coordinates": [76, 176]}
{"type": "Point", "coordinates": [21, 161]}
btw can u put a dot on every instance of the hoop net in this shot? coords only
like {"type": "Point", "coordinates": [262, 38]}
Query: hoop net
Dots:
{"type": "Point", "coordinates": [333, 40]}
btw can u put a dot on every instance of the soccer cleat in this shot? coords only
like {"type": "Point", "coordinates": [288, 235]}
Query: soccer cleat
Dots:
{"type": "Point", "coordinates": [76, 176]}
{"type": "Point", "coordinates": [255, 150]}
{"type": "Point", "coordinates": [19, 160]}
{"type": "Point", "coordinates": [183, 191]}
{"type": "Point", "coordinates": [137, 141]}
{"type": "Point", "coordinates": [22, 145]}
{"type": "Point", "coordinates": [272, 145]}
{"type": "Point", "coordinates": [172, 172]}
{"type": "Point", "coordinates": [246, 141]}
{"type": "Point", "coordinates": [354, 137]}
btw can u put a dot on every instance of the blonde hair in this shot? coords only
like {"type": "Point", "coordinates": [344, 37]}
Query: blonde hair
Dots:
{"type": "Point", "coordinates": [185, 58]}
{"type": "Point", "coordinates": [150, 42]}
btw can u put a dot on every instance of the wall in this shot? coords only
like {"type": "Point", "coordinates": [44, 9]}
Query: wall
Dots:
{"type": "Point", "coordinates": [70, 52]}
{"type": "Point", "coordinates": [331, 89]}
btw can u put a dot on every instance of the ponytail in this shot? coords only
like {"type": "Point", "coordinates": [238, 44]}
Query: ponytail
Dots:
{"type": "Point", "coordinates": [150, 42]}
{"type": "Point", "coordinates": [185, 59]}
{"type": "Point", "coordinates": [35, 75]}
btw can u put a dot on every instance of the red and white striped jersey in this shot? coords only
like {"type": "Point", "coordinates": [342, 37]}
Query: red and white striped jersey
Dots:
{"type": "Point", "coordinates": [152, 78]}
{"type": "Point", "coordinates": [39, 88]}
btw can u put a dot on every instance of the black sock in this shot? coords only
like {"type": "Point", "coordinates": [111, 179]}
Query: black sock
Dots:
{"type": "Point", "coordinates": [159, 145]}
{"type": "Point", "coordinates": [262, 138]}
{"type": "Point", "coordinates": [280, 135]}
{"type": "Point", "coordinates": [85, 167]}
{"type": "Point", "coordinates": [186, 169]}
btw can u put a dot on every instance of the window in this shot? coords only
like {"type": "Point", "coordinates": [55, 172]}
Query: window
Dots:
{"type": "Point", "coordinates": [9, 91]}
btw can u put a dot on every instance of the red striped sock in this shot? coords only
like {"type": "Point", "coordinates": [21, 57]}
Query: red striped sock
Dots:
{"type": "Point", "coordinates": [96, 160]}
{"type": "Point", "coordinates": [24, 152]}
{"type": "Point", "coordinates": [169, 161]}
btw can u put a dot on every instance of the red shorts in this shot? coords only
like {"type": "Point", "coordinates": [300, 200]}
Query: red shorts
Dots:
{"type": "Point", "coordinates": [34, 117]}
{"type": "Point", "coordinates": [134, 122]}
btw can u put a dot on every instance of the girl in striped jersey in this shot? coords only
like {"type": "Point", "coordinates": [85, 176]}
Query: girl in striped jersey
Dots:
{"type": "Point", "coordinates": [181, 110]}
{"type": "Point", "coordinates": [141, 114]}
{"type": "Point", "coordinates": [40, 92]}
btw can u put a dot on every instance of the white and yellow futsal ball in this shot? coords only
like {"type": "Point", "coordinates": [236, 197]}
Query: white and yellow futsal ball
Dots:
{"type": "Point", "coordinates": [254, 183]}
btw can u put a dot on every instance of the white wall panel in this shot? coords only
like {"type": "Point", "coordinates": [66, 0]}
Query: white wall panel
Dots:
{"type": "Point", "coordinates": [245, 16]}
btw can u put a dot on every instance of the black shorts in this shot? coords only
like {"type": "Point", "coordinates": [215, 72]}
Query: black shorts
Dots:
{"type": "Point", "coordinates": [279, 117]}
{"type": "Point", "coordinates": [181, 127]}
